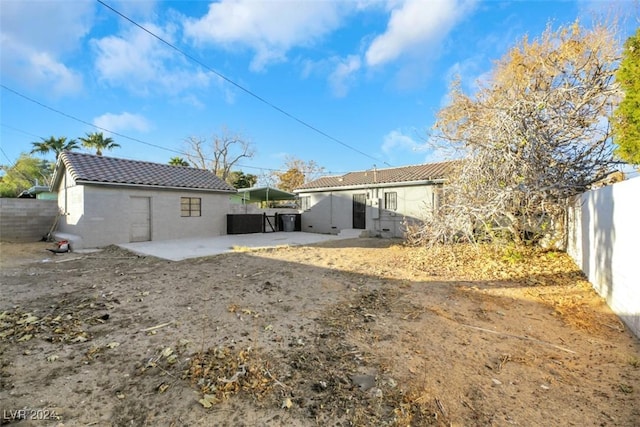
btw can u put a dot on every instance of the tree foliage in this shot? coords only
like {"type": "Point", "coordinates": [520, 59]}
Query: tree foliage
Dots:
{"type": "Point", "coordinates": [219, 155]}
{"type": "Point", "coordinates": [534, 135]}
{"type": "Point", "coordinates": [290, 180]}
{"type": "Point", "coordinates": [24, 174]}
{"type": "Point", "coordinates": [178, 161]}
{"type": "Point", "coordinates": [239, 179]}
{"type": "Point", "coordinates": [626, 122]}
{"type": "Point", "coordinates": [297, 172]}
{"type": "Point", "coordinates": [54, 145]}
{"type": "Point", "coordinates": [97, 141]}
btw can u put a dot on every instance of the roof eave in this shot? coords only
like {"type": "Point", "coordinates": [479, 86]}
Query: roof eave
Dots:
{"type": "Point", "coordinates": [58, 172]}
{"type": "Point", "coordinates": [158, 187]}
{"type": "Point", "coordinates": [372, 185]}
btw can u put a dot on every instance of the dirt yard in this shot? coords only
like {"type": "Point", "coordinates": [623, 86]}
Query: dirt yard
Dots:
{"type": "Point", "coordinates": [361, 332]}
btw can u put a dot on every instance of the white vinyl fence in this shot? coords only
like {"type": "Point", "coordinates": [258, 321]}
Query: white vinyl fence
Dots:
{"type": "Point", "coordinates": [604, 240]}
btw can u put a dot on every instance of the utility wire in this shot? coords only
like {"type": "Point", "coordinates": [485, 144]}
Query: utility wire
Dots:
{"type": "Point", "coordinates": [86, 122]}
{"type": "Point", "coordinates": [120, 134]}
{"type": "Point", "coordinates": [19, 130]}
{"type": "Point", "coordinates": [242, 88]}
{"type": "Point", "coordinates": [117, 133]}
{"type": "Point", "coordinates": [12, 167]}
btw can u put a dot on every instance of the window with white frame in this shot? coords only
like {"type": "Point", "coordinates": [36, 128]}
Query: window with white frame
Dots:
{"type": "Point", "coordinates": [305, 203]}
{"type": "Point", "coordinates": [391, 201]}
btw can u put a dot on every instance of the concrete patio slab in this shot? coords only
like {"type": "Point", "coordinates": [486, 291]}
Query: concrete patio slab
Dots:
{"type": "Point", "coordinates": [180, 249]}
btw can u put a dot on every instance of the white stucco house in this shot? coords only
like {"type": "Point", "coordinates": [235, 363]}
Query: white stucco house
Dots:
{"type": "Point", "coordinates": [376, 200]}
{"type": "Point", "coordinates": [106, 200]}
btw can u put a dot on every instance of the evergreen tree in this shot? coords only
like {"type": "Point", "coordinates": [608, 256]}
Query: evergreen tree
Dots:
{"type": "Point", "coordinates": [626, 125]}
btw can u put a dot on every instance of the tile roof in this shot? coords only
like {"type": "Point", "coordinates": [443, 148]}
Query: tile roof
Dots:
{"type": "Point", "coordinates": [425, 172]}
{"type": "Point", "coordinates": [111, 170]}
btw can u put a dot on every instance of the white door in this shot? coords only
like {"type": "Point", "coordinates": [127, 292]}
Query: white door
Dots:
{"type": "Point", "coordinates": [140, 218]}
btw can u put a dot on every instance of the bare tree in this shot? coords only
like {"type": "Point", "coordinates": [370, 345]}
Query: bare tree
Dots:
{"type": "Point", "coordinates": [220, 154]}
{"type": "Point", "coordinates": [196, 152]}
{"type": "Point", "coordinates": [535, 135]}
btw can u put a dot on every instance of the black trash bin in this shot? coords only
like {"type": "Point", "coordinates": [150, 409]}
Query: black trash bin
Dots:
{"type": "Point", "coordinates": [288, 222]}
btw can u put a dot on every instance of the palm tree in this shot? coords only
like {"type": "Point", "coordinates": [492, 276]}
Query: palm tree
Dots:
{"type": "Point", "coordinates": [99, 142]}
{"type": "Point", "coordinates": [178, 161]}
{"type": "Point", "coordinates": [55, 145]}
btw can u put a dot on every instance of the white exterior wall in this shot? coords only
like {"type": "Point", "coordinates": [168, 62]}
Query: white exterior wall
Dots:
{"type": "Point", "coordinates": [603, 236]}
{"type": "Point", "coordinates": [332, 211]}
{"type": "Point", "coordinates": [100, 214]}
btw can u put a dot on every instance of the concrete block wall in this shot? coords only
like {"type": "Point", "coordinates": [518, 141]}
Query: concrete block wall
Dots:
{"type": "Point", "coordinates": [101, 215]}
{"type": "Point", "coordinates": [603, 238]}
{"type": "Point", "coordinates": [23, 220]}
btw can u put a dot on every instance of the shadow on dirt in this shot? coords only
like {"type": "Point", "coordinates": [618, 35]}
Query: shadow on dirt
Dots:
{"type": "Point", "coordinates": [347, 335]}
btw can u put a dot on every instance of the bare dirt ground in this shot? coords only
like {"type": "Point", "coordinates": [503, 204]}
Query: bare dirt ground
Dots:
{"type": "Point", "coordinates": [359, 332]}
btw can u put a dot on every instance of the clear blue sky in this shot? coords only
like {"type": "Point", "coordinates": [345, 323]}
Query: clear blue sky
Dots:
{"type": "Point", "coordinates": [370, 74]}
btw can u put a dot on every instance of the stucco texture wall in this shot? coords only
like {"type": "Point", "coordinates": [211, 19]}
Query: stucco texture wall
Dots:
{"type": "Point", "coordinates": [332, 211]}
{"type": "Point", "coordinates": [102, 215]}
{"type": "Point", "coordinates": [603, 237]}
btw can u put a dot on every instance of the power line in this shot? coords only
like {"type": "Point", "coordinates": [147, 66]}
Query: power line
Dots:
{"type": "Point", "coordinates": [62, 113]}
{"type": "Point", "coordinates": [13, 165]}
{"type": "Point", "coordinates": [242, 88]}
{"type": "Point", "coordinates": [160, 147]}
{"type": "Point", "coordinates": [7, 157]}
{"type": "Point", "coordinates": [69, 116]}
{"type": "Point", "coordinates": [19, 130]}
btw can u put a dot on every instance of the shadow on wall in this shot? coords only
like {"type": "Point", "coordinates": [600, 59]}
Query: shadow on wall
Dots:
{"type": "Point", "coordinates": [603, 240]}
{"type": "Point", "coordinates": [601, 212]}
{"type": "Point", "coordinates": [331, 213]}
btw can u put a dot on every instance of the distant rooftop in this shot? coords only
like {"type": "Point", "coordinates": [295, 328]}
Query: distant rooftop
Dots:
{"type": "Point", "coordinates": [424, 172]}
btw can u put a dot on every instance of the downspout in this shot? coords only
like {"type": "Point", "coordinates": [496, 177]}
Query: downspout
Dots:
{"type": "Point", "coordinates": [375, 223]}
{"type": "Point", "coordinates": [66, 195]}
{"type": "Point", "coordinates": [331, 209]}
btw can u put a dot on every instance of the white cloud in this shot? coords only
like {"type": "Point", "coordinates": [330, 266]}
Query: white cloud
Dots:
{"type": "Point", "coordinates": [471, 73]}
{"type": "Point", "coordinates": [60, 79]}
{"type": "Point", "coordinates": [344, 74]}
{"type": "Point", "coordinates": [137, 9]}
{"type": "Point", "coordinates": [37, 36]}
{"type": "Point", "coordinates": [51, 26]}
{"type": "Point", "coordinates": [425, 150]}
{"type": "Point", "coordinates": [143, 65]}
{"type": "Point", "coordinates": [122, 122]}
{"type": "Point", "coordinates": [270, 29]}
{"type": "Point", "coordinates": [415, 25]}
{"type": "Point", "coordinates": [397, 144]}
{"type": "Point", "coordinates": [396, 140]}
{"type": "Point", "coordinates": [436, 156]}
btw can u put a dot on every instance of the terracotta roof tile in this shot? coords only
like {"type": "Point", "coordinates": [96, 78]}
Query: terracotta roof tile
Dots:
{"type": "Point", "coordinates": [111, 170]}
{"type": "Point", "coordinates": [425, 172]}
